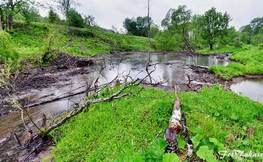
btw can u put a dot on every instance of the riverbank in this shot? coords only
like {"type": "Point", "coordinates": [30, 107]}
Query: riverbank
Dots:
{"type": "Point", "coordinates": [66, 67]}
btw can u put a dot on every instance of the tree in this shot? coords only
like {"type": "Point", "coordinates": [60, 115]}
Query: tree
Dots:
{"type": "Point", "coordinates": [246, 34]}
{"type": "Point", "coordinates": [74, 18]}
{"type": "Point", "coordinates": [31, 14]}
{"type": "Point", "coordinates": [258, 38]}
{"type": "Point", "coordinates": [53, 16]}
{"type": "Point", "coordinates": [9, 8]}
{"type": "Point", "coordinates": [178, 21]}
{"type": "Point", "coordinates": [195, 32]}
{"type": "Point", "coordinates": [89, 21]}
{"type": "Point", "coordinates": [214, 25]}
{"type": "Point", "coordinates": [138, 26]}
{"type": "Point", "coordinates": [256, 24]}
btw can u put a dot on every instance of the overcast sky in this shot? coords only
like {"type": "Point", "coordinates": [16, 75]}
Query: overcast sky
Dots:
{"type": "Point", "coordinates": [114, 12]}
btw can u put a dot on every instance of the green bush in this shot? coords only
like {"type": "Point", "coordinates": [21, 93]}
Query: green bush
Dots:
{"type": "Point", "coordinates": [6, 47]}
{"type": "Point", "coordinates": [260, 46]}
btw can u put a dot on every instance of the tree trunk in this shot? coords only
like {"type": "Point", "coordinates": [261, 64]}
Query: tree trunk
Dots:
{"type": "Point", "coordinates": [1, 26]}
{"type": "Point", "coordinates": [175, 126]}
{"type": "Point", "coordinates": [11, 16]}
{"type": "Point", "coordinates": [7, 17]}
{"type": "Point", "coordinates": [148, 36]}
{"type": "Point", "coordinates": [211, 46]}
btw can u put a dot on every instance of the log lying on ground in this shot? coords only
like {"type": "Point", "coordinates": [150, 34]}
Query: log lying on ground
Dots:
{"type": "Point", "coordinates": [175, 126]}
{"type": "Point", "coordinates": [199, 66]}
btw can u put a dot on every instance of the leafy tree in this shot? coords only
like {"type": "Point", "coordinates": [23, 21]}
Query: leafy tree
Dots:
{"type": "Point", "coordinates": [74, 18]}
{"type": "Point", "coordinates": [214, 26]}
{"type": "Point", "coordinates": [53, 16]}
{"type": "Point", "coordinates": [195, 32]}
{"type": "Point", "coordinates": [89, 22]}
{"type": "Point", "coordinates": [246, 34]}
{"type": "Point", "coordinates": [178, 21]}
{"type": "Point", "coordinates": [256, 24]}
{"type": "Point", "coordinates": [166, 41]}
{"type": "Point", "coordinates": [9, 8]}
{"type": "Point", "coordinates": [258, 38]}
{"type": "Point", "coordinates": [138, 26]}
{"type": "Point", "coordinates": [31, 14]}
{"type": "Point", "coordinates": [229, 37]}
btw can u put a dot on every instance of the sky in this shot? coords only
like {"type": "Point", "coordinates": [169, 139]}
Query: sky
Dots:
{"type": "Point", "coordinates": [114, 12]}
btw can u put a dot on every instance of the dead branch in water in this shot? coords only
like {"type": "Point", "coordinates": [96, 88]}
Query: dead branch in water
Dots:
{"type": "Point", "coordinates": [87, 103]}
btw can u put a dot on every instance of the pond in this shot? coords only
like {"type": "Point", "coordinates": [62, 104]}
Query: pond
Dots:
{"type": "Point", "coordinates": [167, 67]}
{"type": "Point", "coordinates": [251, 88]}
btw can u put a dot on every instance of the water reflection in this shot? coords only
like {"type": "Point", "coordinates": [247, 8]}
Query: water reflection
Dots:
{"type": "Point", "coordinates": [252, 88]}
{"type": "Point", "coordinates": [167, 67]}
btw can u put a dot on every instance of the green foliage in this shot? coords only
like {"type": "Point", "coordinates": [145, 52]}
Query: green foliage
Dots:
{"type": "Point", "coordinates": [138, 26]}
{"type": "Point", "coordinates": [31, 14]}
{"type": "Point", "coordinates": [109, 130]}
{"type": "Point", "coordinates": [171, 157]}
{"type": "Point", "coordinates": [166, 42]}
{"type": "Point", "coordinates": [53, 16]}
{"type": "Point", "coordinates": [206, 154]}
{"type": "Point", "coordinates": [250, 59]}
{"type": "Point", "coordinates": [260, 46]}
{"type": "Point", "coordinates": [74, 18]}
{"type": "Point", "coordinates": [178, 20]}
{"type": "Point", "coordinates": [7, 48]}
{"type": "Point", "coordinates": [214, 25]}
{"type": "Point", "coordinates": [214, 115]}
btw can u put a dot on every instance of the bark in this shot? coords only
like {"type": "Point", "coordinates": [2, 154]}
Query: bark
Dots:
{"type": "Point", "coordinates": [174, 128]}
{"type": "Point", "coordinates": [7, 17]}
{"type": "Point", "coordinates": [211, 46]}
{"type": "Point", "coordinates": [11, 20]}
{"type": "Point", "coordinates": [199, 66]}
{"type": "Point", "coordinates": [1, 26]}
{"type": "Point", "coordinates": [148, 35]}
{"type": "Point", "coordinates": [190, 148]}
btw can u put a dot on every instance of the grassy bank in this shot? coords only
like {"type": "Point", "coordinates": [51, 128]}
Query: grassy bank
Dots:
{"type": "Point", "coordinates": [248, 59]}
{"type": "Point", "coordinates": [31, 41]}
{"type": "Point", "coordinates": [126, 129]}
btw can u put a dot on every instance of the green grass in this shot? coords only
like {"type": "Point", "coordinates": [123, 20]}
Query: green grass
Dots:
{"type": "Point", "coordinates": [31, 40]}
{"type": "Point", "coordinates": [222, 49]}
{"type": "Point", "coordinates": [249, 60]}
{"type": "Point", "coordinates": [124, 129]}
{"type": "Point", "coordinates": [114, 128]}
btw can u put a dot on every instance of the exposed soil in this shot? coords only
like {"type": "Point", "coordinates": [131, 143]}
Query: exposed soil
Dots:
{"type": "Point", "coordinates": [66, 66]}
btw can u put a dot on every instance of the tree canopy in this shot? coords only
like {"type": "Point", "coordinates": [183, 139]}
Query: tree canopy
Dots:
{"type": "Point", "coordinates": [137, 26]}
{"type": "Point", "coordinates": [214, 25]}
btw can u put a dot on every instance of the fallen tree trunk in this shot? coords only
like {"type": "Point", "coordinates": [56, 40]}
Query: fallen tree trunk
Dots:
{"type": "Point", "coordinates": [175, 126]}
{"type": "Point", "coordinates": [199, 66]}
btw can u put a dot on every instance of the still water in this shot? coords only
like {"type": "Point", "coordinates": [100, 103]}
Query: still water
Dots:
{"type": "Point", "coordinates": [252, 88]}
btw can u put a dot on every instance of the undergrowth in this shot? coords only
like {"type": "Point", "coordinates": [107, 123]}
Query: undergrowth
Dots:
{"type": "Point", "coordinates": [126, 129]}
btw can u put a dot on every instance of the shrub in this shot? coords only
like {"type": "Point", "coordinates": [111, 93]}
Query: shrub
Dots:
{"type": "Point", "coordinates": [260, 46]}
{"type": "Point", "coordinates": [6, 48]}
